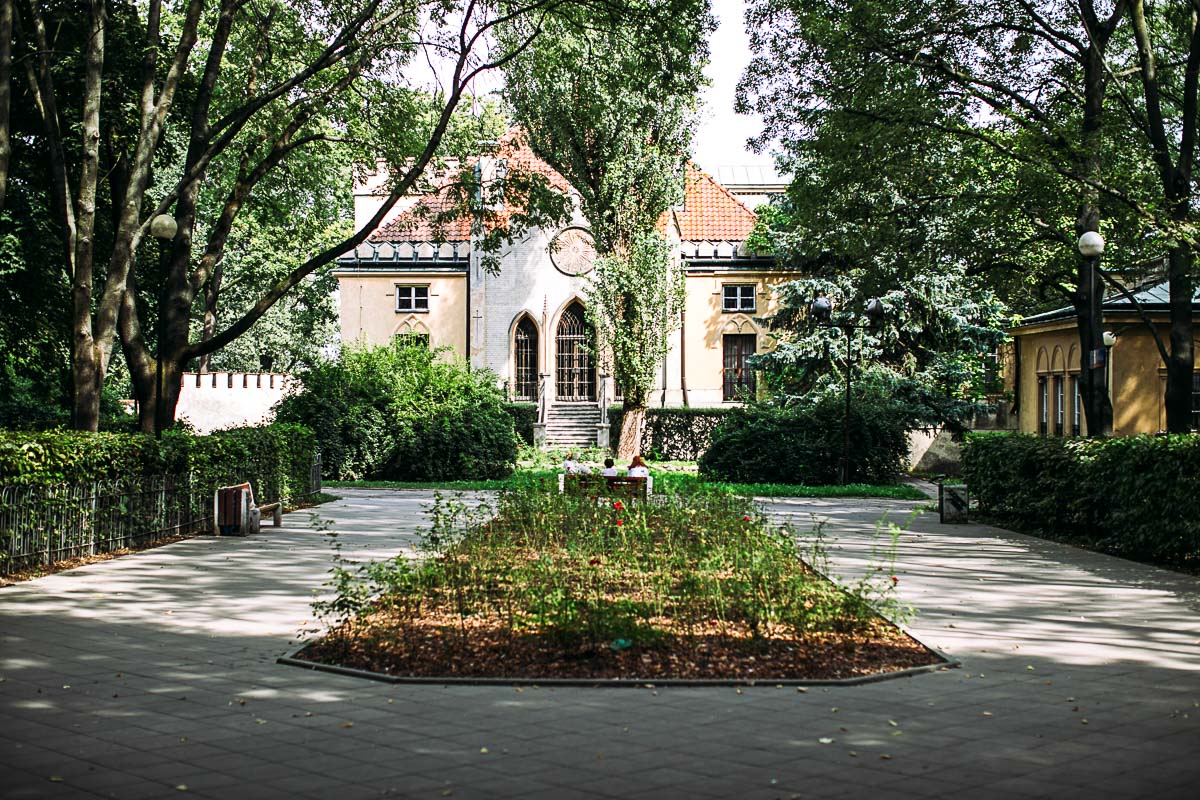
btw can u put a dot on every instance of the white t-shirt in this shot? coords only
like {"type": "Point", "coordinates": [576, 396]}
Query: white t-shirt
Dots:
{"type": "Point", "coordinates": [609, 472]}
{"type": "Point", "coordinates": [639, 472]}
{"type": "Point", "coordinates": [570, 466]}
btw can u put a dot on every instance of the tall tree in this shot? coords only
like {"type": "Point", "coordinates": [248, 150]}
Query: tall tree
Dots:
{"type": "Point", "coordinates": [1027, 79]}
{"type": "Point", "coordinates": [609, 102]}
{"type": "Point", "coordinates": [879, 212]}
{"type": "Point", "coordinates": [267, 80]}
{"type": "Point", "coordinates": [1167, 37]}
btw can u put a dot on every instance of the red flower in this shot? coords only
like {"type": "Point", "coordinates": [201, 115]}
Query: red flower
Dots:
{"type": "Point", "coordinates": [895, 579]}
{"type": "Point", "coordinates": [620, 522]}
{"type": "Point", "coordinates": [745, 519]}
{"type": "Point", "coordinates": [618, 505]}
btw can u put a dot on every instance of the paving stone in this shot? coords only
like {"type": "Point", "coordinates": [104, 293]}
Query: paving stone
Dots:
{"type": "Point", "coordinates": [1116, 637]}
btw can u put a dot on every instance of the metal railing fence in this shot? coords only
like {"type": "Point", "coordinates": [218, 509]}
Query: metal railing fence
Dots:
{"type": "Point", "coordinates": [42, 525]}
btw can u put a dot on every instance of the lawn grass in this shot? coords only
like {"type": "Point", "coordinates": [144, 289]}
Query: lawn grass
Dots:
{"type": "Point", "coordinates": [672, 482]}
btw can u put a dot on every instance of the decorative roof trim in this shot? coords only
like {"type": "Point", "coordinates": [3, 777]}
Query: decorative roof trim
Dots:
{"type": "Point", "coordinates": [389, 253]}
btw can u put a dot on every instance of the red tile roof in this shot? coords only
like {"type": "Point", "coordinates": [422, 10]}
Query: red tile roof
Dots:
{"type": "Point", "coordinates": [709, 213]}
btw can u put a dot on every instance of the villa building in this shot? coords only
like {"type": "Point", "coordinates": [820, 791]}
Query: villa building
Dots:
{"type": "Point", "coordinates": [1043, 365]}
{"type": "Point", "coordinates": [527, 321]}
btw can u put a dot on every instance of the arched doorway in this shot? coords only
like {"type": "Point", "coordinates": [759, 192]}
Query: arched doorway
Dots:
{"type": "Point", "coordinates": [525, 360]}
{"type": "Point", "coordinates": [575, 378]}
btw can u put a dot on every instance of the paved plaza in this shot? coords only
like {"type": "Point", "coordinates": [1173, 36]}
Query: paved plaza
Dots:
{"type": "Point", "coordinates": [154, 675]}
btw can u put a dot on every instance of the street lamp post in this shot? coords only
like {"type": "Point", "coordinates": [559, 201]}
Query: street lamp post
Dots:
{"type": "Point", "coordinates": [1091, 247]}
{"type": "Point", "coordinates": [822, 313]}
{"type": "Point", "coordinates": [163, 228]}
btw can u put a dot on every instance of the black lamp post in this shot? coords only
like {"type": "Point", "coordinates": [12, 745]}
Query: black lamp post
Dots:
{"type": "Point", "coordinates": [1095, 359]}
{"type": "Point", "coordinates": [822, 313]}
{"type": "Point", "coordinates": [163, 228]}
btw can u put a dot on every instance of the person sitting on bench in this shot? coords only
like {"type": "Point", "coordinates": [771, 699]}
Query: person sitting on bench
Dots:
{"type": "Point", "coordinates": [610, 469]}
{"type": "Point", "coordinates": [572, 467]}
{"type": "Point", "coordinates": [638, 468]}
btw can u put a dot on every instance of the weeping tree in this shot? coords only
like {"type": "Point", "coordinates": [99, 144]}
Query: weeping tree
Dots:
{"type": "Point", "coordinates": [609, 101]}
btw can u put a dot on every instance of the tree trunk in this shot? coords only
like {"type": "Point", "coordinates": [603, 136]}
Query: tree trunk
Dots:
{"type": "Point", "coordinates": [1178, 397]}
{"type": "Point", "coordinates": [6, 30]}
{"type": "Point", "coordinates": [633, 422]}
{"type": "Point", "coordinates": [88, 362]}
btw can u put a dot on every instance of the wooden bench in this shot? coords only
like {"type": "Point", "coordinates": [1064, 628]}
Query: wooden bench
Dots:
{"type": "Point", "coordinates": [606, 486]}
{"type": "Point", "coordinates": [235, 514]}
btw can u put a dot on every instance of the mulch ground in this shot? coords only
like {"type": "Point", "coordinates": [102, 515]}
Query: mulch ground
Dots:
{"type": "Point", "coordinates": [440, 647]}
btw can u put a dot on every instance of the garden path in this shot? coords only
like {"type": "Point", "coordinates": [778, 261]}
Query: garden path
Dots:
{"type": "Point", "coordinates": [129, 678]}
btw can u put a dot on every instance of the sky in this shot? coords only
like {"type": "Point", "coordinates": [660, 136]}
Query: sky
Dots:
{"type": "Point", "coordinates": [721, 139]}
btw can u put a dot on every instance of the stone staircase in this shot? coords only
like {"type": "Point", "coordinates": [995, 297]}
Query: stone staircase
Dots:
{"type": "Point", "coordinates": [572, 424]}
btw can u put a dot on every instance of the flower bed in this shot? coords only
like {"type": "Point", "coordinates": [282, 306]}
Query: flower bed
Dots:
{"type": "Point", "coordinates": [554, 586]}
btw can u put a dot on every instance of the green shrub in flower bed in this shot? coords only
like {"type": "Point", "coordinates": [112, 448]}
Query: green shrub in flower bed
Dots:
{"type": "Point", "coordinates": [1132, 496]}
{"type": "Point", "coordinates": [552, 585]}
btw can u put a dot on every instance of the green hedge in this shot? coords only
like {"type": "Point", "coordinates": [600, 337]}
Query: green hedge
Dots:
{"type": "Point", "coordinates": [524, 417]}
{"type": "Point", "coordinates": [803, 444]}
{"type": "Point", "coordinates": [1131, 496]}
{"type": "Point", "coordinates": [672, 434]}
{"type": "Point", "coordinates": [276, 459]}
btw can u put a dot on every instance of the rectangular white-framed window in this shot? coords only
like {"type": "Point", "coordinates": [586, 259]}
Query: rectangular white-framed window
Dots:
{"type": "Point", "coordinates": [412, 299]}
{"type": "Point", "coordinates": [739, 297]}
{"type": "Point", "coordinates": [1060, 409]}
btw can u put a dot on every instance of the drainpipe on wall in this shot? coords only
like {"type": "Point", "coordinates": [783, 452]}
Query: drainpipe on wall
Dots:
{"type": "Point", "coordinates": [468, 354]}
{"type": "Point", "coordinates": [683, 355]}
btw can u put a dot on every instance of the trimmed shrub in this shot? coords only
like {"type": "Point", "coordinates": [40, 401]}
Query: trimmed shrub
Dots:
{"type": "Point", "coordinates": [803, 443]}
{"type": "Point", "coordinates": [51, 457]}
{"type": "Point", "coordinates": [1131, 496]}
{"type": "Point", "coordinates": [276, 459]}
{"type": "Point", "coordinates": [456, 443]}
{"type": "Point", "coordinates": [671, 434]}
{"type": "Point", "coordinates": [401, 412]}
{"type": "Point", "coordinates": [524, 417]}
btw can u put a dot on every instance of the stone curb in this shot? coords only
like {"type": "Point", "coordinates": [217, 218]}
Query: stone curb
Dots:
{"type": "Point", "coordinates": [618, 683]}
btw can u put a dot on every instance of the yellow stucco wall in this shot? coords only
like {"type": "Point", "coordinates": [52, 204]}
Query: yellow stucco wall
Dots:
{"type": "Point", "coordinates": [706, 324]}
{"type": "Point", "coordinates": [368, 308]}
{"type": "Point", "coordinates": [1136, 378]}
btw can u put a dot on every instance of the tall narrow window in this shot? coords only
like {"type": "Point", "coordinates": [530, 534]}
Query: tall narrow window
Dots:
{"type": "Point", "coordinates": [412, 299]}
{"type": "Point", "coordinates": [575, 378]}
{"type": "Point", "coordinates": [525, 360]}
{"type": "Point", "coordinates": [738, 376]}
{"type": "Point", "coordinates": [1043, 405]}
{"type": "Point", "coordinates": [1076, 405]}
{"type": "Point", "coordinates": [1060, 410]}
